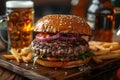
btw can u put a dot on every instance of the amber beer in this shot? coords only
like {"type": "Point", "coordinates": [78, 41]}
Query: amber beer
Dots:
{"type": "Point", "coordinates": [19, 23]}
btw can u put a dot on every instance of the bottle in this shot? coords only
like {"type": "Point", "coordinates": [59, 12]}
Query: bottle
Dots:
{"type": "Point", "coordinates": [116, 4]}
{"type": "Point", "coordinates": [91, 13]}
{"type": "Point", "coordinates": [116, 36]}
{"type": "Point", "coordinates": [100, 17]}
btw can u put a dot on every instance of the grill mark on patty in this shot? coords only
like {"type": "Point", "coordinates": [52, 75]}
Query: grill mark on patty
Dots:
{"type": "Point", "coordinates": [58, 48]}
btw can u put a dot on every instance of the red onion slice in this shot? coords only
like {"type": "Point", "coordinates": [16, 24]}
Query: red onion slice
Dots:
{"type": "Point", "coordinates": [67, 38]}
{"type": "Point", "coordinates": [57, 36]}
{"type": "Point", "coordinates": [49, 38]}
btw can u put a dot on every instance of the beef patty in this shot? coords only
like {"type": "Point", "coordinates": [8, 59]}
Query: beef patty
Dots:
{"type": "Point", "coordinates": [59, 48]}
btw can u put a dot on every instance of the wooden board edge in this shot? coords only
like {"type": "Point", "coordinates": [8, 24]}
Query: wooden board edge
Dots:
{"type": "Point", "coordinates": [26, 73]}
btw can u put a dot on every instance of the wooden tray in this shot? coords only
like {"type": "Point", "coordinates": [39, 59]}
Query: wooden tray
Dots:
{"type": "Point", "coordinates": [86, 72]}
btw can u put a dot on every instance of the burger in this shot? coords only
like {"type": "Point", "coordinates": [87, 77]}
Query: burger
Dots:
{"type": "Point", "coordinates": [61, 41]}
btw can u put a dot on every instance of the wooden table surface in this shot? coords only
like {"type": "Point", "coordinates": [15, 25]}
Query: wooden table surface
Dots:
{"type": "Point", "coordinates": [9, 75]}
{"type": "Point", "coordinates": [9, 70]}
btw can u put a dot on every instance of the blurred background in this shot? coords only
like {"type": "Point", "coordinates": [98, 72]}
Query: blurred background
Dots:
{"type": "Point", "coordinates": [76, 7]}
{"type": "Point", "coordinates": [45, 7]}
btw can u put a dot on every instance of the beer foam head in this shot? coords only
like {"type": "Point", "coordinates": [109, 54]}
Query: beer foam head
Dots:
{"type": "Point", "coordinates": [19, 4]}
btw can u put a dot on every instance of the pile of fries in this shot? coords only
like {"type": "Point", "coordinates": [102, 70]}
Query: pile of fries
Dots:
{"type": "Point", "coordinates": [105, 50]}
{"type": "Point", "coordinates": [24, 55]}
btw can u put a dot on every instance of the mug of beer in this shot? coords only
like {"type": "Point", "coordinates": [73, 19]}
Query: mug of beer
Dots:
{"type": "Point", "coordinates": [20, 19]}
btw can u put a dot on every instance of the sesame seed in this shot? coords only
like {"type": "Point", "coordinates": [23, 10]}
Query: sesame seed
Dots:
{"type": "Point", "coordinates": [70, 26]}
{"type": "Point", "coordinates": [60, 24]}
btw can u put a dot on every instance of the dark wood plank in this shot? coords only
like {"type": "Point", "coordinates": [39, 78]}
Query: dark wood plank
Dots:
{"type": "Point", "coordinates": [18, 78]}
{"type": "Point", "coordinates": [1, 72]}
{"type": "Point", "coordinates": [12, 76]}
{"type": "Point", "coordinates": [5, 75]}
{"type": "Point", "coordinates": [9, 75]}
{"type": "Point", "coordinates": [43, 73]}
{"type": "Point", "coordinates": [21, 71]}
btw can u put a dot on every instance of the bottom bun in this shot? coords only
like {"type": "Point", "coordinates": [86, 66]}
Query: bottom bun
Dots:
{"type": "Point", "coordinates": [67, 64]}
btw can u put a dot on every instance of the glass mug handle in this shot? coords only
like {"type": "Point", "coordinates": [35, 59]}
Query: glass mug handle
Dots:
{"type": "Point", "coordinates": [3, 18]}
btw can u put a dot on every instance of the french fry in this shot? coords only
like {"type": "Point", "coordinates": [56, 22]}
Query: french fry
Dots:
{"type": "Point", "coordinates": [25, 52]}
{"type": "Point", "coordinates": [8, 56]}
{"type": "Point", "coordinates": [28, 58]}
{"type": "Point", "coordinates": [15, 54]}
{"type": "Point", "coordinates": [100, 47]}
{"type": "Point", "coordinates": [93, 48]}
{"type": "Point", "coordinates": [97, 60]}
{"type": "Point", "coordinates": [103, 52]}
{"type": "Point", "coordinates": [115, 52]}
{"type": "Point", "coordinates": [24, 59]}
{"type": "Point", "coordinates": [111, 45]}
{"type": "Point", "coordinates": [114, 47]}
{"type": "Point", "coordinates": [106, 45]}
{"type": "Point", "coordinates": [114, 43]}
{"type": "Point", "coordinates": [95, 43]}
{"type": "Point", "coordinates": [108, 56]}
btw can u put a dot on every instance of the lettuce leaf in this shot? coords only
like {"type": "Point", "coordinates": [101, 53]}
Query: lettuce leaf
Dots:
{"type": "Point", "coordinates": [86, 54]}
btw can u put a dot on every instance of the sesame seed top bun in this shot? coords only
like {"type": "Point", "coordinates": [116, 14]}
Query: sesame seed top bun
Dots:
{"type": "Point", "coordinates": [63, 24]}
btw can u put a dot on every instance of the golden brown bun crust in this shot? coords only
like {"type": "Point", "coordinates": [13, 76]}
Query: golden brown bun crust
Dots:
{"type": "Point", "coordinates": [63, 24]}
{"type": "Point", "coordinates": [68, 64]}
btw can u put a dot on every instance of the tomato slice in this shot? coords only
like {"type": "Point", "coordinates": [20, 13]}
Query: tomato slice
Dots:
{"type": "Point", "coordinates": [44, 35]}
